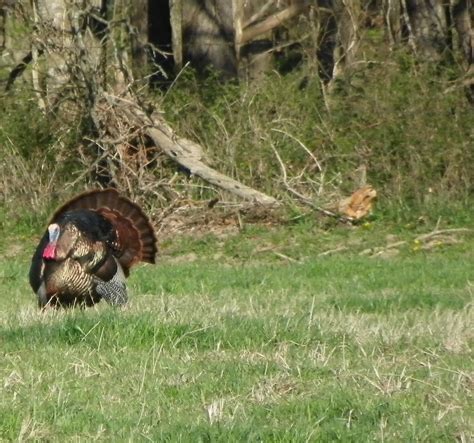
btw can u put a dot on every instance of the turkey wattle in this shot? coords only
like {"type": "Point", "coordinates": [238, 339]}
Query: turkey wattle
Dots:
{"type": "Point", "coordinates": [87, 251]}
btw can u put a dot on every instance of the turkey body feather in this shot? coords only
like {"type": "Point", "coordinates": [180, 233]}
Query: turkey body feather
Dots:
{"type": "Point", "coordinates": [88, 249]}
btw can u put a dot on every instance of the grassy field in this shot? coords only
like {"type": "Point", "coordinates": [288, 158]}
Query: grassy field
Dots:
{"type": "Point", "coordinates": [251, 337]}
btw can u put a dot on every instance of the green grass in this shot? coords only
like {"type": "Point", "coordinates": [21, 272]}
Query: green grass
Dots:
{"type": "Point", "coordinates": [238, 343]}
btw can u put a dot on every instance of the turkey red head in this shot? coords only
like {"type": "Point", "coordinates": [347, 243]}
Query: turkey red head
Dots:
{"type": "Point", "coordinates": [90, 245]}
{"type": "Point", "coordinates": [49, 252]}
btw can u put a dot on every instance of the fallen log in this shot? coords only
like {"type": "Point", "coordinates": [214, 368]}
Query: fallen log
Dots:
{"type": "Point", "coordinates": [185, 152]}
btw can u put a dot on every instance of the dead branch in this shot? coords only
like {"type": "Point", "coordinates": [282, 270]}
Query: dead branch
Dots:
{"type": "Point", "coordinates": [252, 31]}
{"type": "Point", "coordinates": [333, 251]}
{"type": "Point", "coordinates": [259, 14]}
{"type": "Point", "coordinates": [185, 152]}
{"type": "Point", "coordinates": [272, 250]}
{"type": "Point", "coordinates": [379, 250]}
{"type": "Point", "coordinates": [19, 69]}
{"type": "Point", "coordinates": [439, 232]}
{"type": "Point", "coordinates": [285, 257]}
{"type": "Point", "coordinates": [425, 241]}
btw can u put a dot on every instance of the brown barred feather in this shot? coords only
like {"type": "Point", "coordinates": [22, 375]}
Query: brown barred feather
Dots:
{"type": "Point", "coordinates": [136, 237]}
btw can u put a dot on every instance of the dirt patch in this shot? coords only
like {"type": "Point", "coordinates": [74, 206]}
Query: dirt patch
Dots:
{"type": "Point", "coordinates": [220, 220]}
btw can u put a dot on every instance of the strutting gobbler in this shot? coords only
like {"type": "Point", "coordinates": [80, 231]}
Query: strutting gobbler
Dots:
{"type": "Point", "coordinates": [87, 251]}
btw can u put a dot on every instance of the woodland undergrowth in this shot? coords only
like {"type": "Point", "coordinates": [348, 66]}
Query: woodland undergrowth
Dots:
{"type": "Point", "coordinates": [391, 122]}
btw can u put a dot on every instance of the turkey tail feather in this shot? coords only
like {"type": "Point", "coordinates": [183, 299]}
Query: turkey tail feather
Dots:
{"type": "Point", "coordinates": [136, 239]}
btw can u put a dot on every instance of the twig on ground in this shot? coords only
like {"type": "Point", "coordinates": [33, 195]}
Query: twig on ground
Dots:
{"type": "Point", "coordinates": [437, 232]}
{"type": "Point", "coordinates": [420, 239]}
{"type": "Point", "coordinates": [333, 251]}
{"type": "Point", "coordinates": [285, 257]}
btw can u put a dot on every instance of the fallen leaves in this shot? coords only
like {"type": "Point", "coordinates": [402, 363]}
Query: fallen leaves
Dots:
{"type": "Point", "coordinates": [359, 204]}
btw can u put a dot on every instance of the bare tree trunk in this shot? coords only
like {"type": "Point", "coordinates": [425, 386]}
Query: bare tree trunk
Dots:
{"type": "Point", "coordinates": [463, 17]}
{"type": "Point", "coordinates": [3, 21]}
{"type": "Point", "coordinates": [139, 35]}
{"type": "Point", "coordinates": [392, 18]}
{"type": "Point", "coordinates": [10, 52]}
{"type": "Point", "coordinates": [462, 11]}
{"type": "Point", "coordinates": [176, 19]}
{"type": "Point", "coordinates": [208, 35]}
{"type": "Point", "coordinates": [339, 22]}
{"type": "Point", "coordinates": [52, 27]}
{"type": "Point", "coordinates": [327, 39]}
{"type": "Point", "coordinates": [61, 35]}
{"type": "Point", "coordinates": [253, 36]}
{"type": "Point", "coordinates": [348, 14]}
{"type": "Point", "coordinates": [427, 23]}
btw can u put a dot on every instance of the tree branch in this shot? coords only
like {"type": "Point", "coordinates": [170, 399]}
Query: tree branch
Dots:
{"type": "Point", "coordinates": [186, 153]}
{"type": "Point", "coordinates": [252, 31]}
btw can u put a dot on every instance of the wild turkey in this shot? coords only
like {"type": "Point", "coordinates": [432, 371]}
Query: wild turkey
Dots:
{"type": "Point", "coordinates": [88, 249]}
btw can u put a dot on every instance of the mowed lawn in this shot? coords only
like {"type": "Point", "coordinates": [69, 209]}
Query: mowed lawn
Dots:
{"type": "Point", "coordinates": [249, 346]}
